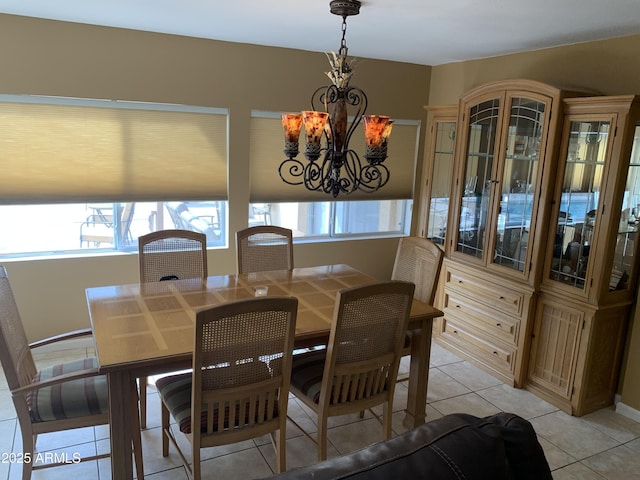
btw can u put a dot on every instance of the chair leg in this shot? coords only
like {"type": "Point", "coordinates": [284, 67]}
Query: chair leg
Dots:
{"type": "Point", "coordinates": [28, 447]}
{"type": "Point", "coordinates": [387, 413]}
{"type": "Point", "coordinates": [195, 455]}
{"type": "Point", "coordinates": [137, 439]}
{"type": "Point", "coordinates": [143, 402]}
{"type": "Point", "coordinates": [164, 414]}
{"type": "Point", "coordinates": [322, 439]}
{"type": "Point", "coordinates": [279, 439]}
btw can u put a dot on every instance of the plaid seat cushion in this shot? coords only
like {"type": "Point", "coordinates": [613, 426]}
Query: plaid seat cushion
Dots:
{"type": "Point", "coordinates": [76, 398]}
{"type": "Point", "coordinates": [306, 373]}
{"type": "Point", "coordinates": [175, 391]}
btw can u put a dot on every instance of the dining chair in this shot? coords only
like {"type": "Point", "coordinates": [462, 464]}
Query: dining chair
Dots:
{"type": "Point", "coordinates": [60, 397]}
{"type": "Point", "coordinates": [358, 369]}
{"type": "Point", "coordinates": [264, 247]}
{"type": "Point", "coordinates": [169, 255]}
{"type": "Point", "coordinates": [418, 260]}
{"type": "Point", "coordinates": [172, 255]}
{"type": "Point", "coordinates": [239, 386]}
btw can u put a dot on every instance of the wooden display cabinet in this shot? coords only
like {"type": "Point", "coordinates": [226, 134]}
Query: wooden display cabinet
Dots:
{"type": "Point", "coordinates": [507, 138]}
{"type": "Point", "coordinates": [590, 267]}
{"type": "Point", "coordinates": [541, 248]}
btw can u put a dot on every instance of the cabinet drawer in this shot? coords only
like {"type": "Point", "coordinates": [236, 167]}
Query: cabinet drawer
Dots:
{"type": "Point", "coordinates": [469, 311]}
{"type": "Point", "coordinates": [486, 292]}
{"type": "Point", "coordinates": [481, 349]}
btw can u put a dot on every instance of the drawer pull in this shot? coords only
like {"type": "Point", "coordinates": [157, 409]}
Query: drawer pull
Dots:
{"type": "Point", "coordinates": [455, 331]}
{"type": "Point", "coordinates": [501, 297]}
{"type": "Point", "coordinates": [498, 325]}
{"type": "Point", "coordinates": [495, 353]}
{"type": "Point", "coordinates": [458, 306]}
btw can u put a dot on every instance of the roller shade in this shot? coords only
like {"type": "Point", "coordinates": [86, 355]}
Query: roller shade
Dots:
{"type": "Point", "coordinates": [66, 150]}
{"type": "Point", "coordinates": [266, 154]}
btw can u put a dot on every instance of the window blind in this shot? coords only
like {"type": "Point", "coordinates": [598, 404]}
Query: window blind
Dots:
{"type": "Point", "coordinates": [56, 150]}
{"type": "Point", "coordinates": [266, 154]}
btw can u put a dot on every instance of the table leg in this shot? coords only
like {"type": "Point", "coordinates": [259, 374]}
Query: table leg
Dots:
{"type": "Point", "coordinates": [418, 375]}
{"type": "Point", "coordinates": [120, 384]}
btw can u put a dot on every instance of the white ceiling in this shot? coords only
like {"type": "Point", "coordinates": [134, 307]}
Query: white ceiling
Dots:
{"type": "Point", "coordinates": [426, 32]}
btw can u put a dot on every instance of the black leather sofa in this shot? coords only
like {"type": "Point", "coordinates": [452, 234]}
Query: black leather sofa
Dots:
{"type": "Point", "coordinates": [456, 447]}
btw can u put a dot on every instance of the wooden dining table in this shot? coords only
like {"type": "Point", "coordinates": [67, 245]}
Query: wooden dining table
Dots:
{"type": "Point", "coordinates": [146, 329]}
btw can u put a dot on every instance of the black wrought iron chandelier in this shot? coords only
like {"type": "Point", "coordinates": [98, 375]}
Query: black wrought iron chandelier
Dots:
{"type": "Point", "coordinates": [331, 166]}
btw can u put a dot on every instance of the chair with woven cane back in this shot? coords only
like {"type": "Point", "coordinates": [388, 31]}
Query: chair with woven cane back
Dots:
{"type": "Point", "coordinates": [169, 255]}
{"type": "Point", "coordinates": [358, 369]}
{"type": "Point", "coordinates": [60, 397]}
{"type": "Point", "coordinates": [264, 247]}
{"type": "Point", "coordinates": [419, 261]}
{"type": "Point", "coordinates": [239, 385]}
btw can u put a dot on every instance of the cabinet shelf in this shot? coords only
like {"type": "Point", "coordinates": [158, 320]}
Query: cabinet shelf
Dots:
{"type": "Point", "coordinates": [522, 158]}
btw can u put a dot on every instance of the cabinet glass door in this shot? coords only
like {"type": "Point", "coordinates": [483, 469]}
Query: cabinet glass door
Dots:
{"type": "Point", "coordinates": [518, 183]}
{"type": "Point", "coordinates": [479, 156]}
{"type": "Point", "coordinates": [445, 134]}
{"type": "Point", "coordinates": [629, 221]}
{"type": "Point", "coordinates": [578, 206]}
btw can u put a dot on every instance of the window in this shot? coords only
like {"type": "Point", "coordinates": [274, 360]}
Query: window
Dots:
{"type": "Point", "coordinates": [84, 174]}
{"type": "Point", "coordinates": [336, 219]}
{"type": "Point", "coordinates": [87, 227]}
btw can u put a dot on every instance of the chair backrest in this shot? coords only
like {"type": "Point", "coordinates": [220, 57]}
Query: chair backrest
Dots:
{"type": "Point", "coordinates": [15, 354]}
{"type": "Point", "coordinates": [264, 247]}
{"type": "Point", "coordinates": [419, 260]}
{"type": "Point", "coordinates": [172, 255]}
{"type": "Point", "coordinates": [242, 358]}
{"type": "Point", "coordinates": [365, 344]}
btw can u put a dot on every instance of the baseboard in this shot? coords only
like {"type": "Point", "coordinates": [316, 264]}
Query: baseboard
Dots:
{"type": "Point", "coordinates": [627, 411]}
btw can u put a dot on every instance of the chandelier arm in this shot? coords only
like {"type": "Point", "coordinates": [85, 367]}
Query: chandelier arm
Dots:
{"type": "Point", "coordinates": [342, 178]}
{"type": "Point", "coordinates": [312, 174]}
{"type": "Point", "coordinates": [353, 168]}
{"type": "Point", "coordinates": [373, 177]}
{"type": "Point", "coordinates": [356, 98]}
{"type": "Point", "coordinates": [327, 174]}
{"type": "Point", "coordinates": [323, 97]}
{"type": "Point", "coordinates": [293, 168]}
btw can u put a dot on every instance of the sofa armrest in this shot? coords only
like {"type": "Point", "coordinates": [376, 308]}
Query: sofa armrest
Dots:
{"type": "Point", "coordinates": [450, 448]}
{"type": "Point", "coordinates": [524, 453]}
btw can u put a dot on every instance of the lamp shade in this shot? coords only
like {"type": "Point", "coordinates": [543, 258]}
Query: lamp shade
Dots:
{"type": "Point", "coordinates": [292, 123]}
{"type": "Point", "coordinates": [314, 123]}
{"type": "Point", "coordinates": [374, 128]}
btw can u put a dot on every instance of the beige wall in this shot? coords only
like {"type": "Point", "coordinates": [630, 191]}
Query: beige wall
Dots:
{"type": "Point", "coordinates": [609, 67]}
{"type": "Point", "coordinates": [55, 58]}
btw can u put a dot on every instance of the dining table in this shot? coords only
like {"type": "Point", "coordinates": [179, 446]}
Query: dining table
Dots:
{"type": "Point", "coordinates": [147, 329]}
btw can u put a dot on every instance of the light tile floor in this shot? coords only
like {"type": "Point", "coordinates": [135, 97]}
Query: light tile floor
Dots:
{"type": "Point", "coordinates": [601, 445]}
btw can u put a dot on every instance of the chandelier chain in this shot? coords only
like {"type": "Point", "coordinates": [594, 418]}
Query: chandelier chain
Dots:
{"type": "Point", "coordinates": [343, 44]}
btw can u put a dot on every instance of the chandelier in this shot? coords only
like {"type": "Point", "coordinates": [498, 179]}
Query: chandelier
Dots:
{"type": "Point", "coordinates": [332, 167]}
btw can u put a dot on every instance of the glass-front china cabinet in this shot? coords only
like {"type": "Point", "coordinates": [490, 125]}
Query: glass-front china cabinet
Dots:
{"type": "Point", "coordinates": [541, 258]}
{"type": "Point", "coordinates": [506, 135]}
